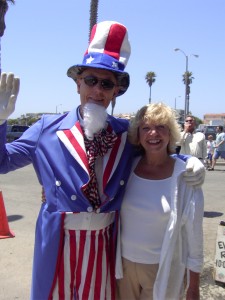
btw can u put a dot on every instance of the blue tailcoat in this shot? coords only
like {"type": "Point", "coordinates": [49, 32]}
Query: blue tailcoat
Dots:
{"type": "Point", "coordinates": [62, 172]}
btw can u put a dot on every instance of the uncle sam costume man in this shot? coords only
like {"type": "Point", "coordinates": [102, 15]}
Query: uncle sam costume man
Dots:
{"type": "Point", "coordinates": [74, 255]}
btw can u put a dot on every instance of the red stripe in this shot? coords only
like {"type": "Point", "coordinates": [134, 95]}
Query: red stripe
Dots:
{"type": "Point", "coordinates": [72, 261]}
{"type": "Point", "coordinates": [77, 147]}
{"type": "Point", "coordinates": [98, 279]}
{"type": "Point", "coordinates": [115, 40]}
{"type": "Point", "coordinates": [107, 257]}
{"type": "Point", "coordinates": [80, 258]}
{"type": "Point", "coordinates": [87, 284]}
{"type": "Point", "coordinates": [112, 263]}
{"type": "Point", "coordinates": [111, 161]}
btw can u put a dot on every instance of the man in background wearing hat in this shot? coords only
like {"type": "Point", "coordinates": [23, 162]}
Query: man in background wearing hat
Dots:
{"type": "Point", "coordinates": [82, 160]}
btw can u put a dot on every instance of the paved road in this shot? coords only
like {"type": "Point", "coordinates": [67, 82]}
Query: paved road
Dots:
{"type": "Point", "coordinates": [214, 192]}
{"type": "Point", "coordinates": [21, 193]}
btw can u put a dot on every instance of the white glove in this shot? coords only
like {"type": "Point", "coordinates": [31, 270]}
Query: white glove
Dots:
{"type": "Point", "coordinates": [9, 89]}
{"type": "Point", "coordinates": [195, 172]}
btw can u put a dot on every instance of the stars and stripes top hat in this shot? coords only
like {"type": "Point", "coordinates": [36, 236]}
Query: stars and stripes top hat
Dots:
{"type": "Point", "coordinates": [108, 49]}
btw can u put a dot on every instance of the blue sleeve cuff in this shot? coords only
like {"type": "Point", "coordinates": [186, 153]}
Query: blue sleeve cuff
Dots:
{"type": "Point", "coordinates": [182, 156]}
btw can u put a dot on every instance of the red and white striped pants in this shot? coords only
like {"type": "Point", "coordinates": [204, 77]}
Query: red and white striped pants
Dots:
{"type": "Point", "coordinates": [87, 266]}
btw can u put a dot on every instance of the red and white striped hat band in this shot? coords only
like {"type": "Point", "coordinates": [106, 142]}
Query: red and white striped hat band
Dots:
{"type": "Point", "coordinates": [109, 49]}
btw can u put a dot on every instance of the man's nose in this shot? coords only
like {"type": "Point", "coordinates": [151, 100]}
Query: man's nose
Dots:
{"type": "Point", "coordinates": [98, 85]}
{"type": "Point", "coordinates": [98, 89]}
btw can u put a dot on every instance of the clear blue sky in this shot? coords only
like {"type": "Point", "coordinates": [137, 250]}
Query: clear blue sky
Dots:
{"type": "Point", "coordinates": [44, 38]}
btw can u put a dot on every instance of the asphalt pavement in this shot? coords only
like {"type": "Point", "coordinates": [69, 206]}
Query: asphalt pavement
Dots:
{"type": "Point", "coordinates": [22, 198]}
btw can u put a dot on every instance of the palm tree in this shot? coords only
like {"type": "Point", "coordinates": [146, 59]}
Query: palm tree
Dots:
{"type": "Point", "coordinates": [150, 79]}
{"type": "Point", "coordinates": [3, 9]}
{"type": "Point", "coordinates": [93, 14]}
{"type": "Point", "coordinates": [188, 76]}
{"type": "Point", "coordinates": [93, 21]}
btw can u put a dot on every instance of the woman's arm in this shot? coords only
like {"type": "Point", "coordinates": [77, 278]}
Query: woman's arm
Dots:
{"type": "Point", "coordinates": [193, 288]}
{"type": "Point", "coordinates": [194, 231]}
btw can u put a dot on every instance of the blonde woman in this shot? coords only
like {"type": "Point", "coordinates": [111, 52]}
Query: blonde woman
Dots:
{"type": "Point", "coordinates": [161, 218]}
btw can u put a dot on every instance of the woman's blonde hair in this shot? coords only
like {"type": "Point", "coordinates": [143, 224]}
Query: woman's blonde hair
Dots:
{"type": "Point", "coordinates": [155, 113]}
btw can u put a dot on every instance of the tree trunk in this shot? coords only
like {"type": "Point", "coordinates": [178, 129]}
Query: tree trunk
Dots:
{"type": "Point", "coordinates": [150, 95]}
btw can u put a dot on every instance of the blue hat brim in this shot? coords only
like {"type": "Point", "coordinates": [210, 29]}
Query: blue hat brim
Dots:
{"type": "Point", "coordinates": [105, 62]}
{"type": "Point", "coordinates": [122, 77]}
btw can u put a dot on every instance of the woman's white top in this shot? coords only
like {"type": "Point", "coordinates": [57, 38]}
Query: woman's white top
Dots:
{"type": "Point", "coordinates": [144, 217]}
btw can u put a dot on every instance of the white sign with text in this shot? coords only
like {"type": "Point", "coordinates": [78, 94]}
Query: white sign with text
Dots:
{"type": "Point", "coordinates": [220, 254]}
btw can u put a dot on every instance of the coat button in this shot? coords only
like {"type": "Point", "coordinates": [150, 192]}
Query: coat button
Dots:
{"type": "Point", "coordinates": [121, 182]}
{"type": "Point", "coordinates": [58, 183]}
{"type": "Point", "coordinates": [90, 209]}
{"type": "Point", "coordinates": [73, 197]}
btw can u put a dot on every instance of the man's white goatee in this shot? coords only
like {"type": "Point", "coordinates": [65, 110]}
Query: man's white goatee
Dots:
{"type": "Point", "coordinates": [94, 119]}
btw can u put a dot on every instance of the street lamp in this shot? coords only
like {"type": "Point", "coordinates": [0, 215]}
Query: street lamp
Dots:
{"type": "Point", "coordinates": [186, 101]}
{"type": "Point", "coordinates": [175, 104]}
{"type": "Point", "coordinates": [56, 108]}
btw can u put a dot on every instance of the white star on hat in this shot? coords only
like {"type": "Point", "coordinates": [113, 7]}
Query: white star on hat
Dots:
{"type": "Point", "coordinates": [89, 60]}
{"type": "Point", "coordinates": [115, 65]}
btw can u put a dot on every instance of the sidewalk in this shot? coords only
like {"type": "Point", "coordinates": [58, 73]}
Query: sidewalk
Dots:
{"type": "Point", "coordinates": [220, 162]}
{"type": "Point", "coordinates": [22, 197]}
{"type": "Point", "coordinates": [214, 212]}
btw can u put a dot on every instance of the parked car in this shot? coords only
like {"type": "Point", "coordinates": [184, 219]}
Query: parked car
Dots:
{"type": "Point", "coordinates": [14, 132]}
{"type": "Point", "coordinates": [210, 130]}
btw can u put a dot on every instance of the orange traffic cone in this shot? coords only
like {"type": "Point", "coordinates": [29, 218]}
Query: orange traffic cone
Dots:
{"type": "Point", "coordinates": [5, 232]}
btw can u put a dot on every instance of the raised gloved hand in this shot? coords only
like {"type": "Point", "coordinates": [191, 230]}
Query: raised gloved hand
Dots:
{"type": "Point", "coordinates": [9, 89]}
{"type": "Point", "coordinates": [195, 172]}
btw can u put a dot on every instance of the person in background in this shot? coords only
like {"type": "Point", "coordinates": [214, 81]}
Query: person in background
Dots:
{"type": "Point", "coordinates": [161, 219]}
{"type": "Point", "coordinates": [191, 142]}
{"type": "Point", "coordinates": [219, 146]}
{"type": "Point", "coordinates": [178, 146]}
{"type": "Point", "coordinates": [82, 159]}
{"type": "Point", "coordinates": [210, 144]}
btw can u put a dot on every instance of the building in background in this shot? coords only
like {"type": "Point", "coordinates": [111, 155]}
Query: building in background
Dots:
{"type": "Point", "coordinates": [214, 119]}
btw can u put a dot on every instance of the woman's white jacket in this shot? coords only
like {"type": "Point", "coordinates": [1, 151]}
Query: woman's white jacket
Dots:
{"type": "Point", "coordinates": [182, 246]}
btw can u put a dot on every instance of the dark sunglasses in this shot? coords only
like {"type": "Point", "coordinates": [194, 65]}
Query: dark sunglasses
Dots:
{"type": "Point", "coordinates": [106, 84]}
{"type": "Point", "coordinates": [189, 121]}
